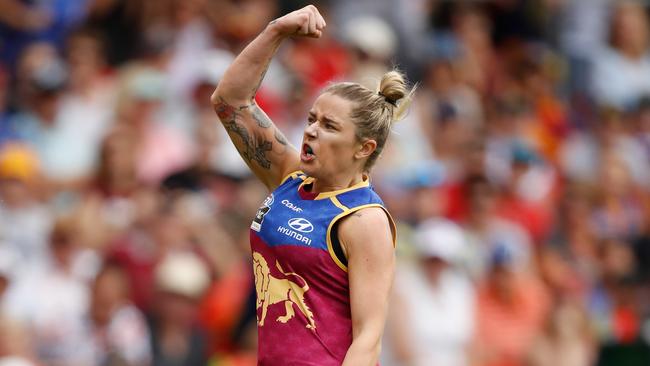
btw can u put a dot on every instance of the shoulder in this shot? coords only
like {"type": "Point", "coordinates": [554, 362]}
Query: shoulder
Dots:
{"type": "Point", "coordinates": [367, 216]}
{"type": "Point", "coordinates": [366, 238]}
{"type": "Point", "coordinates": [366, 227]}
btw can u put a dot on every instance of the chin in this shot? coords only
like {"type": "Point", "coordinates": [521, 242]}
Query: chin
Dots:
{"type": "Point", "coordinates": [309, 170]}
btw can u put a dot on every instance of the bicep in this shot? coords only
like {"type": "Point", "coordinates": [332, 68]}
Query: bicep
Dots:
{"type": "Point", "coordinates": [259, 142]}
{"type": "Point", "coordinates": [367, 238]}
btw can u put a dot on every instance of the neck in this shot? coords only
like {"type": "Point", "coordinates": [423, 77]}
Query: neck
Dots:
{"type": "Point", "coordinates": [336, 183]}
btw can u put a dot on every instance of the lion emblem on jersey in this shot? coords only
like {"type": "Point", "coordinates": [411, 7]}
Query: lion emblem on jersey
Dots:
{"type": "Point", "coordinates": [271, 290]}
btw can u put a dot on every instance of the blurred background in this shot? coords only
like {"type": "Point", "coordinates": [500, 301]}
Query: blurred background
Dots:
{"type": "Point", "coordinates": [520, 180]}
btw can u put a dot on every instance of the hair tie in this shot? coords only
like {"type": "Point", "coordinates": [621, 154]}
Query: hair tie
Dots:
{"type": "Point", "coordinates": [390, 101]}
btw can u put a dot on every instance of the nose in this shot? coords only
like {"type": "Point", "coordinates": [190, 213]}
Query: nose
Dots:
{"type": "Point", "coordinates": [310, 130]}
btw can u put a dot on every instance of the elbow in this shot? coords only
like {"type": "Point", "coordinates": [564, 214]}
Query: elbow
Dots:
{"type": "Point", "coordinates": [225, 93]}
{"type": "Point", "coordinates": [372, 346]}
{"type": "Point", "coordinates": [365, 349]}
{"type": "Point", "coordinates": [372, 355]}
{"type": "Point", "coordinates": [220, 106]}
{"type": "Point", "coordinates": [376, 352]}
{"type": "Point", "coordinates": [217, 96]}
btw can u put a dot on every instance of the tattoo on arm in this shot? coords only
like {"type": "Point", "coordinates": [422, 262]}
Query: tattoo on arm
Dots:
{"type": "Point", "coordinates": [259, 83]}
{"type": "Point", "coordinates": [261, 119]}
{"type": "Point", "coordinates": [279, 137]}
{"type": "Point", "coordinates": [260, 148]}
{"type": "Point", "coordinates": [253, 148]}
{"type": "Point", "coordinates": [226, 112]}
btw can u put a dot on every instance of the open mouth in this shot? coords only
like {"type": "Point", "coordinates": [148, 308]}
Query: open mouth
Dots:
{"type": "Point", "coordinates": [307, 153]}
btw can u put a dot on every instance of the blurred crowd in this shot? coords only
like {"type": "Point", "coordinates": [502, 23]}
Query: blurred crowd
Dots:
{"type": "Point", "coordinates": [520, 180]}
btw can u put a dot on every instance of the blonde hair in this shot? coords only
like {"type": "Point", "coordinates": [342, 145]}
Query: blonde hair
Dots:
{"type": "Point", "coordinates": [375, 111]}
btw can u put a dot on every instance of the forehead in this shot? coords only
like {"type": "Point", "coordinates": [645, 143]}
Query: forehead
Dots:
{"type": "Point", "coordinates": [332, 107]}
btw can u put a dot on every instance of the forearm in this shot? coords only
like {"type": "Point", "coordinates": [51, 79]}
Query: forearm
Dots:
{"type": "Point", "coordinates": [363, 351]}
{"type": "Point", "coordinates": [257, 140]}
{"type": "Point", "coordinates": [262, 146]}
{"type": "Point", "coordinates": [244, 76]}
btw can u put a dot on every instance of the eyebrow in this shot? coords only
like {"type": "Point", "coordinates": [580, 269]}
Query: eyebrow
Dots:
{"type": "Point", "coordinates": [325, 119]}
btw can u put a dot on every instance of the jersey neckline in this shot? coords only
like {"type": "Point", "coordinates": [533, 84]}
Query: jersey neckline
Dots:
{"type": "Point", "coordinates": [306, 195]}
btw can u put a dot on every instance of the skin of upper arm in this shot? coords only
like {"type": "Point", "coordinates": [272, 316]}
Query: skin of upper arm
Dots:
{"type": "Point", "coordinates": [259, 142]}
{"type": "Point", "coordinates": [367, 238]}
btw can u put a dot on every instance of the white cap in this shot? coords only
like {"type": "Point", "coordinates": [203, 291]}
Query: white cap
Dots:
{"type": "Point", "coordinates": [440, 238]}
{"type": "Point", "coordinates": [372, 35]}
{"type": "Point", "coordinates": [214, 65]}
{"type": "Point", "coordinates": [147, 84]}
{"type": "Point", "coordinates": [182, 273]}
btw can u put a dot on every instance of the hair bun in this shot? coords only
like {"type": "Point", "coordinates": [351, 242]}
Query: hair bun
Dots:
{"type": "Point", "coordinates": [395, 91]}
{"type": "Point", "coordinates": [393, 87]}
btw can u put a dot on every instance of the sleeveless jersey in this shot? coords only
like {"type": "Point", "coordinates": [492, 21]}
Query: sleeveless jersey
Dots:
{"type": "Point", "coordinates": [303, 300]}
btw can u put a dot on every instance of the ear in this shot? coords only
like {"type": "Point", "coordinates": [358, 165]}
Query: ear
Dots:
{"type": "Point", "coordinates": [366, 149]}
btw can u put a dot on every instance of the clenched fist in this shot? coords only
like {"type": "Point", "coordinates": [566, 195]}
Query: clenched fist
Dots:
{"type": "Point", "coordinates": [305, 22]}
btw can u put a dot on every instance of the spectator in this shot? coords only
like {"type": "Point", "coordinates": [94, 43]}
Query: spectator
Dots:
{"type": "Point", "coordinates": [25, 221]}
{"type": "Point", "coordinates": [432, 320]}
{"type": "Point", "coordinates": [531, 134]}
{"type": "Point", "coordinates": [486, 231]}
{"type": "Point", "coordinates": [15, 347]}
{"type": "Point", "coordinates": [142, 114]}
{"type": "Point", "coordinates": [117, 331]}
{"type": "Point", "coordinates": [621, 72]}
{"type": "Point", "coordinates": [618, 214]}
{"type": "Point", "coordinates": [584, 151]}
{"type": "Point", "coordinates": [565, 340]}
{"type": "Point", "coordinates": [24, 22]}
{"type": "Point", "coordinates": [180, 281]}
{"type": "Point", "coordinates": [511, 308]}
{"type": "Point", "coordinates": [51, 299]}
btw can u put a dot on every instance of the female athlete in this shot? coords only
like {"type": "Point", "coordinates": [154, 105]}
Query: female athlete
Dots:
{"type": "Point", "coordinates": [322, 241]}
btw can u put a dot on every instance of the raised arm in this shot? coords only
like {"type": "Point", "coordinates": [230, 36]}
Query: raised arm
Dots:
{"type": "Point", "coordinates": [258, 140]}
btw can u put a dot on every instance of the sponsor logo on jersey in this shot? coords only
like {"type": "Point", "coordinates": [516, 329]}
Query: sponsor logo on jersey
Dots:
{"type": "Point", "coordinates": [294, 234]}
{"type": "Point", "coordinates": [261, 212]}
{"type": "Point", "coordinates": [300, 224]}
{"type": "Point", "coordinates": [291, 206]}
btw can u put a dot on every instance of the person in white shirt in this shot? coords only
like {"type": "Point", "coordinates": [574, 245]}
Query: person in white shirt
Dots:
{"type": "Point", "coordinates": [432, 314]}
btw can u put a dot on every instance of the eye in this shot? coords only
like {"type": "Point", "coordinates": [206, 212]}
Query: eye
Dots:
{"type": "Point", "coordinates": [329, 126]}
{"type": "Point", "coordinates": [310, 120]}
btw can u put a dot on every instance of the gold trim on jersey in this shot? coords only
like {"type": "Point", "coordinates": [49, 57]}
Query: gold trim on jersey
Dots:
{"type": "Point", "coordinates": [345, 213]}
{"type": "Point", "coordinates": [293, 175]}
{"type": "Point", "coordinates": [338, 203]}
{"type": "Point", "coordinates": [324, 195]}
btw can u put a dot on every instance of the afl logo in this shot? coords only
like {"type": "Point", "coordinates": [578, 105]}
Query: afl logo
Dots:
{"type": "Point", "coordinates": [259, 216]}
{"type": "Point", "coordinates": [300, 224]}
{"type": "Point", "coordinates": [268, 201]}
